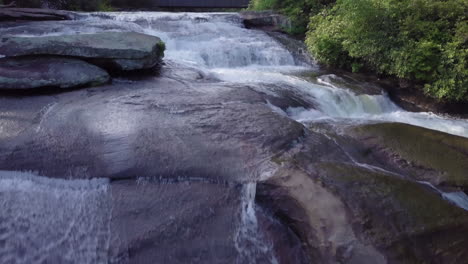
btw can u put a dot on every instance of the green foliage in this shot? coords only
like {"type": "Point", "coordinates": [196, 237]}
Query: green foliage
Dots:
{"type": "Point", "coordinates": [421, 40]}
{"type": "Point", "coordinates": [298, 10]}
{"type": "Point", "coordinates": [161, 49]}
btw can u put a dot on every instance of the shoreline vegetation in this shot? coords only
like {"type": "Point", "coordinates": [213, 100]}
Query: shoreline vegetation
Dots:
{"type": "Point", "coordinates": [422, 43]}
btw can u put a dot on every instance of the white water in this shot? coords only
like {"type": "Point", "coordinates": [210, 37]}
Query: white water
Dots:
{"type": "Point", "coordinates": [459, 198]}
{"type": "Point", "coordinates": [219, 45]}
{"type": "Point", "coordinates": [249, 240]}
{"type": "Point", "coordinates": [46, 220]}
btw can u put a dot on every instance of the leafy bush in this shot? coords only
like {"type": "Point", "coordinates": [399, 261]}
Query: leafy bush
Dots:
{"type": "Point", "coordinates": [425, 41]}
{"type": "Point", "coordinates": [298, 10]}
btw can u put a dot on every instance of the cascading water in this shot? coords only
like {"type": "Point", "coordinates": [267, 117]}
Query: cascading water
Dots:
{"type": "Point", "coordinates": [251, 245]}
{"type": "Point", "coordinates": [222, 48]}
{"type": "Point", "coordinates": [218, 44]}
{"type": "Point", "coordinates": [53, 221]}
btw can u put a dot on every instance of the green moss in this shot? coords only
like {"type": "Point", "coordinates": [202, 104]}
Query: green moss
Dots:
{"type": "Point", "coordinates": [444, 153]}
{"type": "Point", "coordinates": [161, 48]}
{"type": "Point", "coordinates": [411, 206]}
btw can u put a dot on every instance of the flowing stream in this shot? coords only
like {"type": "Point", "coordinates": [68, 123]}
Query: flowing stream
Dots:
{"type": "Point", "coordinates": [220, 47]}
{"type": "Point", "coordinates": [52, 221]}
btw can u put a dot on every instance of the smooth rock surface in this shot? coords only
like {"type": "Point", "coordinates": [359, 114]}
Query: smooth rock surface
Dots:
{"type": "Point", "coordinates": [198, 170]}
{"type": "Point", "coordinates": [349, 212]}
{"type": "Point", "coordinates": [197, 143]}
{"type": "Point", "coordinates": [35, 14]}
{"type": "Point", "coordinates": [155, 127]}
{"type": "Point", "coordinates": [425, 154]}
{"type": "Point", "coordinates": [119, 50]}
{"type": "Point", "coordinates": [266, 20]}
{"type": "Point", "coordinates": [50, 72]}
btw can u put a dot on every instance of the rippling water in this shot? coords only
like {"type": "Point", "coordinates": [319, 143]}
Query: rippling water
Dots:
{"type": "Point", "coordinates": [218, 45]}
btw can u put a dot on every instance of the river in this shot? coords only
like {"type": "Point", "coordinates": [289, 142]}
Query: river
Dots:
{"type": "Point", "coordinates": [70, 220]}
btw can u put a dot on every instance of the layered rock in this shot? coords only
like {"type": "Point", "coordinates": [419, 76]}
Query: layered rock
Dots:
{"type": "Point", "coordinates": [267, 20]}
{"type": "Point", "coordinates": [124, 51]}
{"type": "Point", "coordinates": [53, 72]}
{"type": "Point", "coordinates": [424, 154]}
{"type": "Point", "coordinates": [350, 212]}
{"type": "Point", "coordinates": [198, 143]}
{"type": "Point", "coordinates": [35, 14]}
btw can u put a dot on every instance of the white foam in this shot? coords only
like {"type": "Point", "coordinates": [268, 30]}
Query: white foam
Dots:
{"type": "Point", "coordinates": [249, 240]}
{"type": "Point", "coordinates": [47, 220]}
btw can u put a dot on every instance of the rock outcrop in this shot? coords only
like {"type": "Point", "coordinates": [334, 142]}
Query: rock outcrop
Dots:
{"type": "Point", "coordinates": [197, 143]}
{"type": "Point", "coordinates": [123, 51]}
{"type": "Point", "coordinates": [186, 168]}
{"type": "Point", "coordinates": [74, 60]}
{"type": "Point", "coordinates": [35, 14]}
{"type": "Point", "coordinates": [266, 20]}
{"type": "Point", "coordinates": [50, 72]}
{"type": "Point", "coordinates": [426, 155]}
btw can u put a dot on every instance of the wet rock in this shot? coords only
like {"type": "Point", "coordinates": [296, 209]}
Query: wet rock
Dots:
{"type": "Point", "coordinates": [174, 222]}
{"type": "Point", "coordinates": [266, 20]}
{"type": "Point", "coordinates": [123, 51]}
{"type": "Point", "coordinates": [34, 14]}
{"type": "Point", "coordinates": [285, 243]}
{"type": "Point", "coordinates": [49, 72]}
{"type": "Point", "coordinates": [155, 127]}
{"type": "Point", "coordinates": [348, 212]}
{"type": "Point", "coordinates": [317, 216]}
{"type": "Point", "coordinates": [424, 154]}
{"type": "Point", "coordinates": [414, 99]}
{"type": "Point", "coordinates": [296, 47]}
{"type": "Point", "coordinates": [351, 82]}
{"type": "Point", "coordinates": [399, 216]}
{"type": "Point", "coordinates": [195, 141]}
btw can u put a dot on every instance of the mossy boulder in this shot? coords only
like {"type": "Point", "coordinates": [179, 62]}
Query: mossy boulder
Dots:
{"type": "Point", "coordinates": [55, 72]}
{"type": "Point", "coordinates": [124, 51]}
{"type": "Point", "coordinates": [424, 154]}
{"type": "Point", "coordinates": [408, 221]}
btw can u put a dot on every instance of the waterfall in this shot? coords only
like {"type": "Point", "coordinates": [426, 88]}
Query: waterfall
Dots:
{"type": "Point", "coordinates": [68, 221]}
{"type": "Point", "coordinates": [52, 220]}
{"type": "Point", "coordinates": [220, 46]}
{"type": "Point", "coordinates": [249, 241]}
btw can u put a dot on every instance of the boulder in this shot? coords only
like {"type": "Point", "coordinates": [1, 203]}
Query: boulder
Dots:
{"type": "Point", "coordinates": [424, 154]}
{"type": "Point", "coordinates": [403, 219]}
{"type": "Point", "coordinates": [35, 14]}
{"type": "Point", "coordinates": [182, 152]}
{"type": "Point", "coordinates": [123, 51]}
{"type": "Point", "coordinates": [57, 72]}
{"type": "Point", "coordinates": [267, 20]}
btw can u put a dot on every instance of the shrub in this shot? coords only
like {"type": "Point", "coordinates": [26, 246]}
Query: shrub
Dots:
{"type": "Point", "coordinates": [425, 41]}
{"type": "Point", "coordinates": [298, 10]}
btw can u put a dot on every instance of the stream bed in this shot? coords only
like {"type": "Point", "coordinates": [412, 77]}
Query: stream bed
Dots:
{"type": "Point", "coordinates": [238, 151]}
